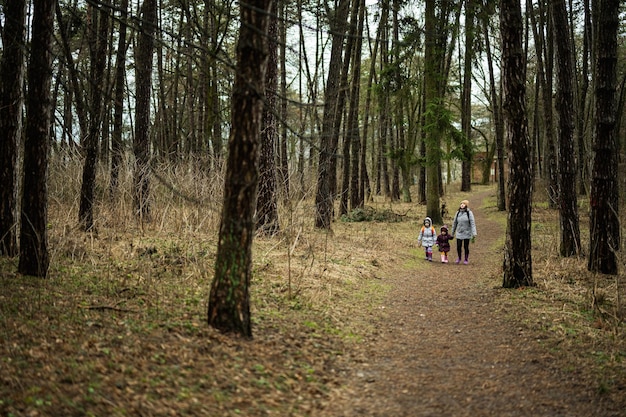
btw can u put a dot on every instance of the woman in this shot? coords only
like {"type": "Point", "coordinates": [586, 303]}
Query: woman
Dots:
{"type": "Point", "coordinates": [464, 229]}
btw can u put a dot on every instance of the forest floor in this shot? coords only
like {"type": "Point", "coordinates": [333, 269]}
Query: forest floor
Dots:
{"type": "Point", "coordinates": [352, 323]}
{"type": "Point", "coordinates": [444, 347]}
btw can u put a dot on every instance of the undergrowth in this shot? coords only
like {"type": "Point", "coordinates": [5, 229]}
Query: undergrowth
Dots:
{"type": "Point", "coordinates": [119, 327]}
{"type": "Point", "coordinates": [575, 314]}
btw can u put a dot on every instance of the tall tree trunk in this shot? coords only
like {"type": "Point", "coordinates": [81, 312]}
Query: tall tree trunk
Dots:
{"type": "Point", "coordinates": [604, 226]}
{"type": "Point", "coordinates": [496, 110]}
{"type": "Point", "coordinates": [302, 65]}
{"type": "Point", "coordinates": [34, 256]}
{"type": "Point", "coordinates": [283, 168]}
{"type": "Point", "coordinates": [568, 204]}
{"type": "Point", "coordinates": [344, 192]}
{"type": "Point", "coordinates": [356, 198]}
{"type": "Point", "coordinates": [517, 267]}
{"type": "Point", "coordinates": [433, 57]}
{"type": "Point", "coordinates": [143, 75]}
{"type": "Point", "coordinates": [543, 137]}
{"type": "Point", "coordinates": [466, 98]}
{"type": "Point", "coordinates": [545, 63]}
{"type": "Point", "coordinates": [364, 183]}
{"type": "Point", "coordinates": [421, 179]}
{"type": "Point", "coordinates": [204, 101]}
{"type": "Point", "coordinates": [97, 31]}
{"type": "Point", "coordinates": [74, 77]}
{"type": "Point", "coordinates": [11, 101]}
{"type": "Point", "coordinates": [324, 196]}
{"type": "Point", "coordinates": [229, 299]}
{"type": "Point", "coordinates": [582, 119]}
{"type": "Point", "coordinates": [164, 138]}
{"type": "Point", "coordinates": [412, 102]}
{"type": "Point", "coordinates": [192, 103]}
{"type": "Point", "coordinates": [396, 128]}
{"type": "Point", "coordinates": [344, 88]}
{"type": "Point", "coordinates": [407, 136]}
{"type": "Point", "coordinates": [117, 145]}
{"type": "Point", "coordinates": [383, 104]}
{"type": "Point", "coordinates": [215, 110]}
{"type": "Point", "coordinates": [267, 205]}
{"type": "Point", "coordinates": [67, 141]}
{"type": "Point", "coordinates": [351, 142]}
{"type": "Point", "coordinates": [104, 153]}
{"type": "Point", "coordinates": [535, 133]}
{"type": "Point", "coordinates": [177, 120]}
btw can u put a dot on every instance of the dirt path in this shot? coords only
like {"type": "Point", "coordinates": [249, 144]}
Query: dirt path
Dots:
{"type": "Point", "coordinates": [442, 349]}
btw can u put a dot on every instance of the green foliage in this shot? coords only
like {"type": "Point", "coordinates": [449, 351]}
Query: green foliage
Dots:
{"type": "Point", "coordinates": [438, 117]}
{"type": "Point", "coordinates": [392, 79]}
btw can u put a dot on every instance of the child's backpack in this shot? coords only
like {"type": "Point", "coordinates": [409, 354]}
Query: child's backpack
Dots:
{"type": "Point", "coordinates": [432, 230]}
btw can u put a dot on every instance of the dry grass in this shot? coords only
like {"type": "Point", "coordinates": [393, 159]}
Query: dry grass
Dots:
{"type": "Point", "coordinates": [145, 287]}
{"type": "Point", "coordinates": [578, 315]}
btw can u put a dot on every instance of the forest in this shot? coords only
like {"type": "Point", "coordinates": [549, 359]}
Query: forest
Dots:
{"type": "Point", "coordinates": [186, 164]}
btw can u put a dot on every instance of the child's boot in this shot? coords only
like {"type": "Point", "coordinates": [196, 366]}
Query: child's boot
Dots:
{"type": "Point", "coordinates": [445, 258]}
{"type": "Point", "coordinates": [466, 261]}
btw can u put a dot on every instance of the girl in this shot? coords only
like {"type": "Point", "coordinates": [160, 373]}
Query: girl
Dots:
{"type": "Point", "coordinates": [427, 238]}
{"type": "Point", "coordinates": [443, 243]}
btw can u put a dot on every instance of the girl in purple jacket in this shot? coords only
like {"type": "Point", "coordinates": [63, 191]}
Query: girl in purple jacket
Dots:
{"type": "Point", "coordinates": [443, 243]}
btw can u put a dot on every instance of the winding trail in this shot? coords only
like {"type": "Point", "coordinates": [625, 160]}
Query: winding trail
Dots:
{"type": "Point", "coordinates": [443, 349]}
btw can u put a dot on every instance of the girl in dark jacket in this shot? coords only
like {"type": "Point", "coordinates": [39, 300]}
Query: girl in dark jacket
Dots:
{"type": "Point", "coordinates": [443, 243]}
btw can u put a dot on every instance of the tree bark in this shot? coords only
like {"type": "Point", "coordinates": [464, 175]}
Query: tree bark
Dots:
{"type": "Point", "coordinates": [545, 61]}
{"type": "Point", "coordinates": [163, 127]}
{"type": "Point", "coordinates": [466, 98]}
{"type": "Point", "coordinates": [229, 299]}
{"type": "Point", "coordinates": [396, 126]}
{"type": "Point", "coordinates": [582, 121]}
{"type": "Point", "coordinates": [604, 226]}
{"type": "Point", "coordinates": [117, 145]}
{"type": "Point", "coordinates": [496, 110]}
{"type": "Point", "coordinates": [364, 183]}
{"type": "Point", "coordinates": [340, 109]}
{"type": "Point", "coordinates": [215, 111]}
{"type": "Point", "coordinates": [517, 268]}
{"type": "Point", "coordinates": [34, 256]}
{"type": "Point", "coordinates": [267, 204]}
{"type": "Point", "coordinates": [433, 58]}
{"type": "Point", "coordinates": [568, 204]}
{"type": "Point", "coordinates": [143, 75]}
{"type": "Point", "coordinates": [76, 88]}
{"type": "Point", "coordinates": [97, 34]}
{"type": "Point", "coordinates": [324, 196]}
{"type": "Point", "coordinates": [283, 167]}
{"type": "Point", "coordinates": [356, 198]}
{"type": "Point", "coordinates": [351, 141]}
{"type": "Point", "coordinates": [11, 101]}
{"type": "Point", "coordinates": [384, 183]}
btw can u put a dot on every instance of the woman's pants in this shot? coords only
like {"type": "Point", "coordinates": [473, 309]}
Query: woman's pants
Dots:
{"type": "Point", "coordinates": [462, 243]}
